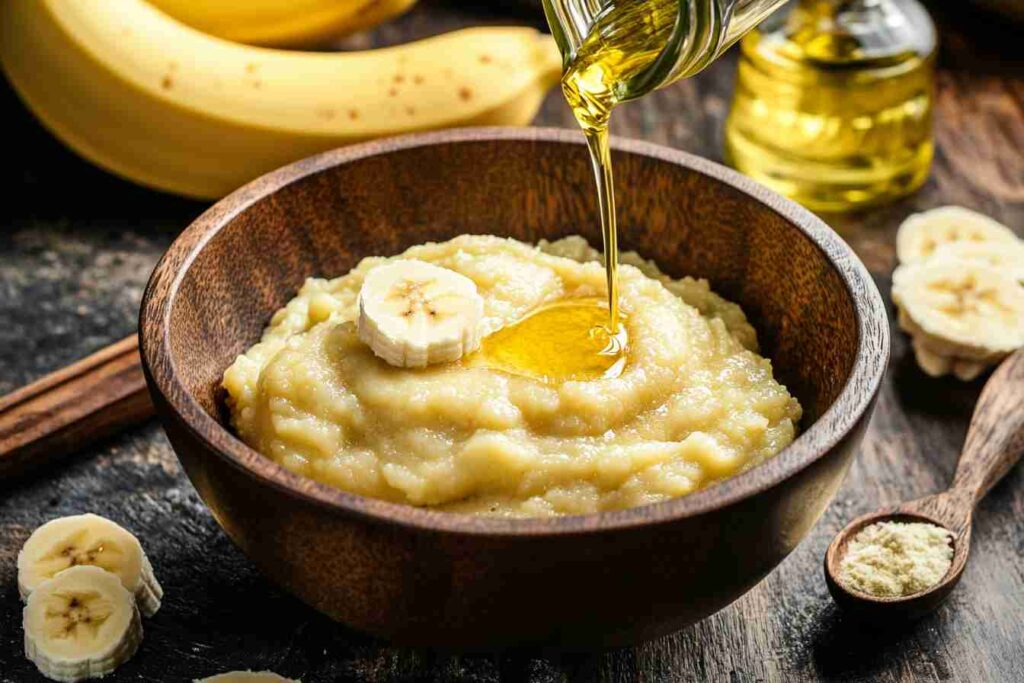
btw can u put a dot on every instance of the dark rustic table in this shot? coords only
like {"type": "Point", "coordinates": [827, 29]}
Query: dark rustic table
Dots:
{"type": "Point", "coordinates": [76, 249]}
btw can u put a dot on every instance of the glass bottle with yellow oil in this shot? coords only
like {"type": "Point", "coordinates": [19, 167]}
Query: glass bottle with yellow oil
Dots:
{"type": "Point", "coordinates": [833, 102]}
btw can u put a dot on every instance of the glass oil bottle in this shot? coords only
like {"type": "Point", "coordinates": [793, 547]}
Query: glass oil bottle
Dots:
{"type": "Point", "coordinates": [833, 102]}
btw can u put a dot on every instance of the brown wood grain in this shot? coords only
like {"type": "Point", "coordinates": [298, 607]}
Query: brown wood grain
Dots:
{"type": "Point", "coordinates": [995, 439]}
{"type": "Point", "coordinates": [73, 407]}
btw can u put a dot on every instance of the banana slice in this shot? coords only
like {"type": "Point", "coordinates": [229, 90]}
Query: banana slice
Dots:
{"type": "Point", "coordinates": [413, 314]}
{"type": "Point", "coordinates": [1004, 256]}
{"type": "Point", "coordinates": [959, 309]}
{"type": "Point", "coordinates": [933, 364]}
{"type": "Point", "coordinates": [937, 365]}
{"type": "Point", "coordinates": [922, 233]}
{"type": "Point", "coordinates": [967, 370]}
{"type": "Point", "coordinates": [81, 624]}
{"type": "Point", "coordinates": [88, 540]}
{"type": "Point", "coordinates": [247, 677]}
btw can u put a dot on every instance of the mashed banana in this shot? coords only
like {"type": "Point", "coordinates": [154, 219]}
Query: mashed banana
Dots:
{"type": "Point", "coordinates": [695, 403]}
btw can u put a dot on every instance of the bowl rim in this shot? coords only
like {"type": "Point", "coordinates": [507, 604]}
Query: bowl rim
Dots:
{"type": "Point", "coordinates": [855, 398]}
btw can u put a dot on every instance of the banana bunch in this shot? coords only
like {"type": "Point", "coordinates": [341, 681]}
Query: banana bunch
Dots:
{"type": "Point", "coordinates": [294, 23]}
{"type": "Point", "coordinates": [86, 582]}
{"type": "Point", "coordinates": [959, 290]}
{"type": "Point", "coordinates": [151, 99]}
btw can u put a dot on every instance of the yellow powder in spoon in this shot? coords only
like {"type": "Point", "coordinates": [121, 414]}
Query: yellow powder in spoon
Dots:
{"type": "Point", "coordinates": [892, 559]}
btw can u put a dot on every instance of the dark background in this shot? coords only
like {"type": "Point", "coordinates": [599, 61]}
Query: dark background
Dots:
{"type": "Point", "coordinates": [76, 249]}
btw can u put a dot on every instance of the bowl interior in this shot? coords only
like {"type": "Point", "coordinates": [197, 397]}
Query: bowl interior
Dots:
{"type": "Point", "coordinates": [321, 216]}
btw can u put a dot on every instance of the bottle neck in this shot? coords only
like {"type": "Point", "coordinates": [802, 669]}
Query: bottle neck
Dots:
{"type": "Point", "coordinates": [702, 31]}
{"type": "Point", "coordinates": [705, 29]}
{"type": "Point", "coordinates": [865, 29]}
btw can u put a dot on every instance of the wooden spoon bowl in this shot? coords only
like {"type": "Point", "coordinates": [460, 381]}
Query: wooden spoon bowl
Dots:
{"type": "Point", "coordinates": [995, 442]}
{"type": "Point", "coordinates": [427, 577]}
{"type": "Point", "coordinates": [879, 609]}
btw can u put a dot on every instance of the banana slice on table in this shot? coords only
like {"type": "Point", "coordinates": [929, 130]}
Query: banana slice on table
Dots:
{"type": "Point", "coordinates": [937, 365]}
{"type": "Point", "coordinates": [413, 313]}
{"type": "Point", "coordinates": [81, 624]}
{"type": "Point", "coordinates": [922, 234]}
{"type": "Point", "coordinates": [1004, 256]}
{"type": "Point", "coordinates": [959, 309]}
{"type": "Point", "coordinates": [967, 370]}
{"type": "Point", "coordinates": [934, 364]}
{"type": "Point", "coordinates": [247, 677]}
{"type": "Point", "coordinates": [88, 540]}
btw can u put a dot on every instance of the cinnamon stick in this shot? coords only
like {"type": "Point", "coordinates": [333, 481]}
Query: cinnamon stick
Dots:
{"type": "Point", "coordinates": [73, 407]}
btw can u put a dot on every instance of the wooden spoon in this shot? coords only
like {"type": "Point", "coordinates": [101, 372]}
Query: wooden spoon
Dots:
{"type": "Point", "coordinates": [995, 442]}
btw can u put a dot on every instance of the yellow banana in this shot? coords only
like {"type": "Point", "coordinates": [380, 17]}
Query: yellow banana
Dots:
{"type": "Point", "coordinates": [153, 100]}
{"type": "Point", "coordinates": [377, 12]}
{"type": "Point", "coordinates": [273, 22]}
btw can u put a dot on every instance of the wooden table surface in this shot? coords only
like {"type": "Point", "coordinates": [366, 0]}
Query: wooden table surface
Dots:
{"type": "Point", "coordinates": [76, 249]}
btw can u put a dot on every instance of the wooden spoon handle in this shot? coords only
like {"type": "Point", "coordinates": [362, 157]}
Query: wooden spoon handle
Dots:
{"type": "Point", "coordinates": [995, 439]}
{"type": "Point", "coordinates": [73, 407]}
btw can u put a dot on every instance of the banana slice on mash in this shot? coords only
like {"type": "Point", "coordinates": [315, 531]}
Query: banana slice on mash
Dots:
{"type": "Point", "coordinates": [81, 624]}
{"type": "Point", "coordinates": [413, 313]}
{"type": "Point", "coordinates": [88, 540]}
{"type": "Point", "coordinates": [922, 234]}
{"type": "Point", "coordinates": [960, 310]}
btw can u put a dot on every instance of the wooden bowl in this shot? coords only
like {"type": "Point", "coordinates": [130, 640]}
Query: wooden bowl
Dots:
{"type": "Point", "coordinates": [426, 577]}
